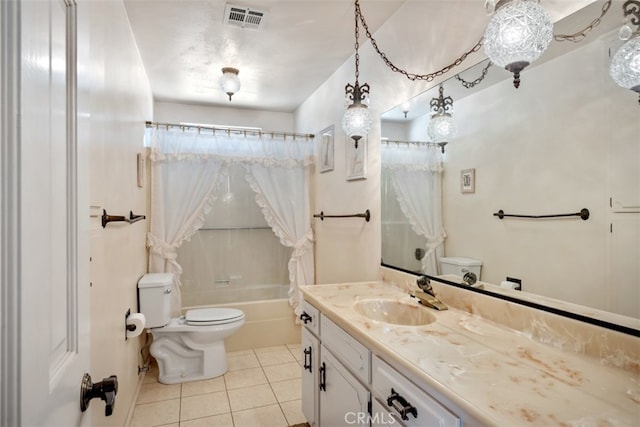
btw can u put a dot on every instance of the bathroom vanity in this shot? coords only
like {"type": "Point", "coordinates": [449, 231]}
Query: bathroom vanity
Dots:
{"type": "Point", "coordinates": [374, 356]}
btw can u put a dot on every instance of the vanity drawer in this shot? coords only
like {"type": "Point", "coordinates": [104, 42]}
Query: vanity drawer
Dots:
{"type": "Point", "coordinates": [310, 318]}
{"type": "Point", "coordinates": [351, 353]}
{"type": "Point", "coordinates": [391, 386]}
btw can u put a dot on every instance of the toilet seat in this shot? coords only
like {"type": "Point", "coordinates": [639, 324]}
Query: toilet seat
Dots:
{"type": "Point", "coordinates": [212, 316]}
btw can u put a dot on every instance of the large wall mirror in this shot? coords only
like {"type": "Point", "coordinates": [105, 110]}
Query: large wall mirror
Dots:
{"type": "Point", "coordinates": [568, 138]}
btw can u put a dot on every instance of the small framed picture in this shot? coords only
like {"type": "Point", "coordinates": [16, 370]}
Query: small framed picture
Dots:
{"type": "Point", "coordinates": [140, 169]}
{"type": "Point", "coordinates": [326, 149]}
{"type": "Point", "coordinates": [356, 160]}
{"type": "Point", "coordinates": [468, 181]}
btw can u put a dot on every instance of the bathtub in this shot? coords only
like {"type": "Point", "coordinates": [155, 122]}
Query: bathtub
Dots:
{"type": "Point", "coordinates": [268, 322]}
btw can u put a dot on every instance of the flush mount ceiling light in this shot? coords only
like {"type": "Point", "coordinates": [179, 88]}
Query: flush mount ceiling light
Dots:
{"type": "Point", "coordinates": [441, 128]}
{"type": "Point", "coordinates": [519, 32]}
{"type": "Point", "coordinates": [229, 82]}
{"type": "Point", "coordinates": [625, 64]}
{"type": "Point", "coordinates": [356, 121]}
{"type": "Point", "coordinates": [405, 109]}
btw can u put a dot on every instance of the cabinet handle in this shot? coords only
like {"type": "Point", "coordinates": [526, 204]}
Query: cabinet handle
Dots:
{"type": "Point", "coordinates": [307, 352]}
{"type": "Point", "coordinates": [323, 377]}
{"type": "Point", "coordinates": [401, 405]}
{"type": "Point", "coordinates": [305, 317]}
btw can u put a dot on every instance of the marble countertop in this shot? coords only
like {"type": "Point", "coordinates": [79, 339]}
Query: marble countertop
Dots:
{"type": "Point", "coordinates": [497, 375]}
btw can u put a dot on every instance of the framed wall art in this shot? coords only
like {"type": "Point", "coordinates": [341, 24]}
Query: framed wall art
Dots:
{"type": "Point", "coordinates": [468, 181]}
{"type": "Point", "coordinates": [326, 149]}
{"type": "Point", "coordinates": [356, 160]}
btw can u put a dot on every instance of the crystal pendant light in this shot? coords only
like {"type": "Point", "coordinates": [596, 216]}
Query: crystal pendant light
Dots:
{"type": "Point", "coordinates": [519, 32]}
{"type": "Point", "coordinates": [441, 128]}
{"type": "Point", "coordinates": [229, 82]}
{"type": "Point", "coordinates": [625, 64]}
{"type": "Point", "coordinates": [356, 121]}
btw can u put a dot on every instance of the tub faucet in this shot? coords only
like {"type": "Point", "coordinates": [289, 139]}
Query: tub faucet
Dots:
{"type": "Point", "coordinates": [426, 296]}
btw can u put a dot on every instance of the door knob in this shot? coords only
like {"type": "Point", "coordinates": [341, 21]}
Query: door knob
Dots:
{"type": "Point", "coordinates": [106, 390]}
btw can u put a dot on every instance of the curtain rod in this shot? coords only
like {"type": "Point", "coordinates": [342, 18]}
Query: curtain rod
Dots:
{"type": "Point", "coordinates": [230, 130]}
{"type": "Point", "coordinates": [398, 142]}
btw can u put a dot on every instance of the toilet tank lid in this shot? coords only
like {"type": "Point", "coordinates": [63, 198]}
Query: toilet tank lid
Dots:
{"type": "Point", "coordinates": [155, 280]}
{"type": "Point", "coordinates": [462, 261]}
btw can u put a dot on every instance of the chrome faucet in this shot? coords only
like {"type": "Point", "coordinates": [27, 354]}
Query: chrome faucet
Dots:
{"type": "Point", "coordinates": [427, 296]}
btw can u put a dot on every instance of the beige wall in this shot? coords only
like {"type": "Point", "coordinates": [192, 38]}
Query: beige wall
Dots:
{"type": "Point", "coordinates": [114, 102]}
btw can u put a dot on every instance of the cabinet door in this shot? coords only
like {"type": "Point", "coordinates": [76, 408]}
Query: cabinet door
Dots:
{"type": "Point", "coordinates": [310, 356]}
{"type": "Point", "coordinates": [343, 399]}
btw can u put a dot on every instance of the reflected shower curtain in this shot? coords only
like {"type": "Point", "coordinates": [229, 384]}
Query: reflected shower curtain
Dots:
{"type": "Point", "coordinates": [414, 171]}
{"type": "Point", "coordinates": [187, 167]}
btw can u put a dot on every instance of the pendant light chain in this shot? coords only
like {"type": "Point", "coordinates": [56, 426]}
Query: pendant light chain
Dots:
{"type": "Point", "coordinates": [581, 35]}
{"type": "Point", "coordinates": [428, 77]}
{"type": "Point", "coordinates": [474, 83]}
{"type": "Point", "coordinates": [357, 44]}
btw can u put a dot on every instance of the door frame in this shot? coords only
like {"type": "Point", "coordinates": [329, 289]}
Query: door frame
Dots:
{"type": "Point", "coordinates": [10, 210]}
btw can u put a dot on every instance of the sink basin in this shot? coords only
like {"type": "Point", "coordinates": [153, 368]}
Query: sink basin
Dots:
{"type": "Point", "coordinates": [394, 312]}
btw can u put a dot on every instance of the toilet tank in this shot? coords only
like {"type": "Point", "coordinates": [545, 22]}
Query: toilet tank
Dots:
{"type": "Point", "coordinates": [154, 296]}
{"type": "Point", "coordinates": [460, 265]}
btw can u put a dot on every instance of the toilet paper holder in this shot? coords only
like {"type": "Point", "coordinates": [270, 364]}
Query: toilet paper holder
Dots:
{"type": "Point", "coordinates": [128, 327]}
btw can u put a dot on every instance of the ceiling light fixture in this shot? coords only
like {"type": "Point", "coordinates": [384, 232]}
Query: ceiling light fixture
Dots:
{"type": "Point", "coordinates": [625, 64]}
{"type": "Point", "coordinates": [441, 128]}
{"type": "Point", "coordinates": [356, 121]}
{"type": "Point", "coordinates": [405, 109]}
{"type": "Point", "coordinates": [229, 82]}
{"type": "Point", "coordinates": [519, 32]}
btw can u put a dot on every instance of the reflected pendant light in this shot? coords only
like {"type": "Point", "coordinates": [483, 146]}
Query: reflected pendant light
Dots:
{"type": "Point", "coordinates": [518, 33]}
{"type": "Point", "coordinates": [441, 128]}
{"type": "Point", "coordinates": [356, 121]}
{"type": "Point", "coordinates": [229, 82]}
{"type": "Point", "coordinates": [625, 64]}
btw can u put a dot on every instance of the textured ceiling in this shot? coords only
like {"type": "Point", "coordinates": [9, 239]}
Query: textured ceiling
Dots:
{"type": "Point", "coordinates": [184, 44]}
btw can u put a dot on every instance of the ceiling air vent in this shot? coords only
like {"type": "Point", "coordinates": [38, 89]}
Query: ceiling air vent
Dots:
{"type": "Point", "coordinates": [244, 17]}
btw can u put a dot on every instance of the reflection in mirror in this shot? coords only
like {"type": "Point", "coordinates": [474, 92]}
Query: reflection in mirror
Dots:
{"type": "Point", "coordinates": [412, 229]}
{"type": "Point", "coordinates": [567, 139]}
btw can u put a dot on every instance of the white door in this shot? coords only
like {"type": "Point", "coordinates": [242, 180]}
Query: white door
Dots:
{"type": "Point", "coordinates": [54, 258]}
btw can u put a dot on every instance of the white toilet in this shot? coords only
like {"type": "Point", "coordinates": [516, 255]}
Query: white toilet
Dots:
{"type": "Point", "coordinates": [460, 266]}
{"type": "Point", "coordinates": [190, 347]}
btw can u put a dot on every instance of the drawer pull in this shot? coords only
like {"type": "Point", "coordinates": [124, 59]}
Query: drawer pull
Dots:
{"type": "Point", "coordinates": [305, 317]}
{"type": "Point", "coordinates": [401, 405]}
{"type": "Point", "coordinates": [307, 352]}
{"type": "Point", "coordinates": [323, 377]}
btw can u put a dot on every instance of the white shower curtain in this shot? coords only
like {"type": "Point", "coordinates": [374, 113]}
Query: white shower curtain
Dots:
{"type": "Point", "coordinates": [415, 172]}
{"type": "Point", "coordinates": [187, 165]}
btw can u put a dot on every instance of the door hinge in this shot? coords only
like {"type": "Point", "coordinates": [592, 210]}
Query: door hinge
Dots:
{"type": "Point", "coordinates": [370, 406]}
{"type": "Point", "coordinates": [611, 228]}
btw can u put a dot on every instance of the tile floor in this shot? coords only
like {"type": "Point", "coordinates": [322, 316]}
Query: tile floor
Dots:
{"type": "Point", "coordinates": [261, 388]}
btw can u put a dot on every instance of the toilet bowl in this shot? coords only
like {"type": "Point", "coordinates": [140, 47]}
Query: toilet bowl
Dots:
{"type": "Point", "coordinates": [189, 347]}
